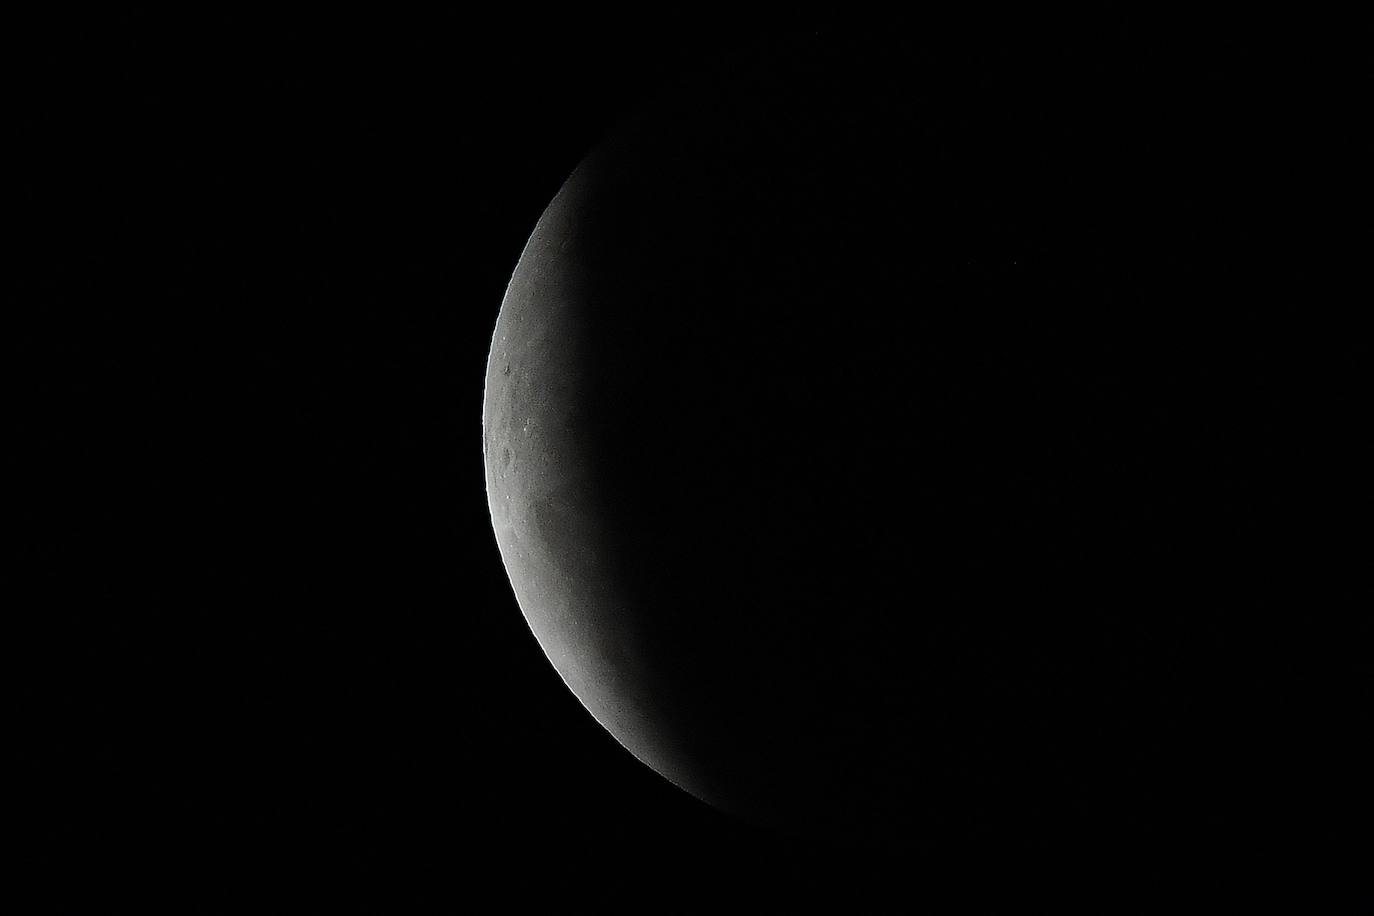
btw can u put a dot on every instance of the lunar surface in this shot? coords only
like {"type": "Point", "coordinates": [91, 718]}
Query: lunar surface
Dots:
{"type": "Point", "coordinates": [543, 494]}
{"type": "Point", "coordinates": [876, 444]}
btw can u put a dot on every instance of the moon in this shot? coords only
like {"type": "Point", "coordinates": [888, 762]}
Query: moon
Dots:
{"type": "Point", "coordinates": [851, 432]}
{"type": "Point", "coordinates": [543, 492]}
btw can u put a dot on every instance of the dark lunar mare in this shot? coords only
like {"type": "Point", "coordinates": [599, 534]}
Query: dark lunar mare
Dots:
{"type": "Point", "coordinates": [911, 424]}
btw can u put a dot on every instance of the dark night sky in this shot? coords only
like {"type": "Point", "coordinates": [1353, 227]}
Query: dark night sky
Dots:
{"type": "Point", "coordinates": [279, 663]}
{"type": "Point", "coordinates": [285, 657]}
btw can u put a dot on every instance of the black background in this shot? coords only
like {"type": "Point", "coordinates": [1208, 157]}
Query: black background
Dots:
{"type": "Point", "coordinates": [279, 664]}
{"type": "Point", "coordinates": [281, 661]}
